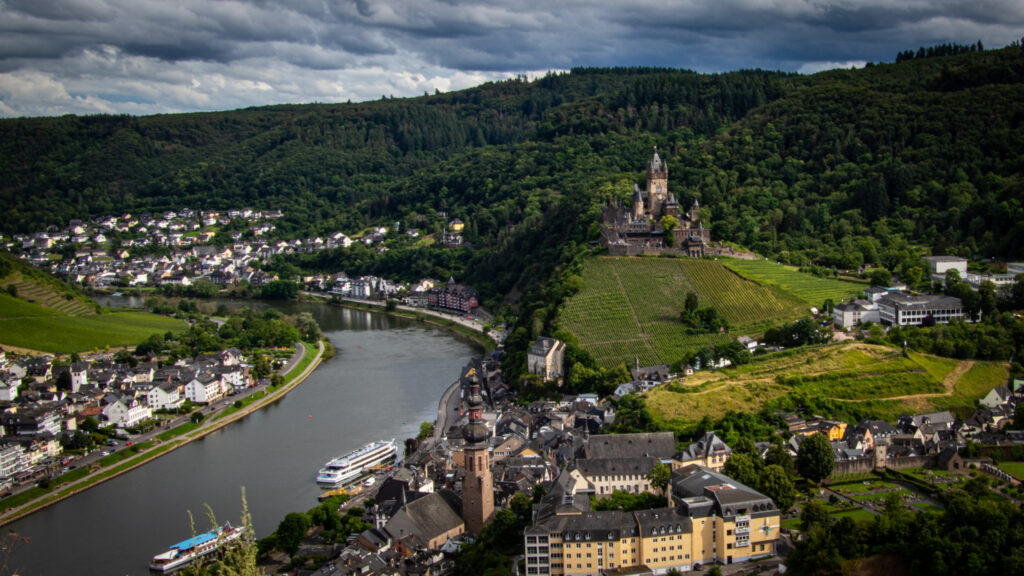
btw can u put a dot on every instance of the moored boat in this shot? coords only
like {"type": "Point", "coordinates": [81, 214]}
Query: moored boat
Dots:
{"type": "Point", "coordinates": [186, 551]}
{"type": "Point", "coordinates": [352, 465]}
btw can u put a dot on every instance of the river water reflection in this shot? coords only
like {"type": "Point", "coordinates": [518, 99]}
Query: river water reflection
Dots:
{"type": "Point", "coordinates": [387, 377]}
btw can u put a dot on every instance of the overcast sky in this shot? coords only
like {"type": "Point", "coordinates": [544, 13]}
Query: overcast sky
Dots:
{"type": "Point", "coordinates": [151, 56]}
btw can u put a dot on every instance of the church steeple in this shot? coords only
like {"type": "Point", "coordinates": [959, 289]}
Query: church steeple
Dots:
{"type": "Point", "coordinates": [478, 483]}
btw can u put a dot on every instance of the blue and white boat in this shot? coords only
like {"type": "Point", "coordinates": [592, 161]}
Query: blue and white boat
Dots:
{"type": "Point", "coordinates": [186, 551]}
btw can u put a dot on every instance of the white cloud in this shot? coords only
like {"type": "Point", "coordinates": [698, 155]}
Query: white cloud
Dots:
{"type": "Point", "coordinates": [147, 56]}
{"type": "Point", "coordinates": [814, 67]}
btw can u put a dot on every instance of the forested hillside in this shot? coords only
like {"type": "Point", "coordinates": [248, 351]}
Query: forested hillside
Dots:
{"type": "Point", "coordinates": [837, 169]}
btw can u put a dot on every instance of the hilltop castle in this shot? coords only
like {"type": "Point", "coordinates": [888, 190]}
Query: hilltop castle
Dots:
{"type": "Point", "coordinates": [636, 228]}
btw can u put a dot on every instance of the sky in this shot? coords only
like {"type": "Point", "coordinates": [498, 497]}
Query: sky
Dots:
{"type": "Point", "coordinates": [158, 56]}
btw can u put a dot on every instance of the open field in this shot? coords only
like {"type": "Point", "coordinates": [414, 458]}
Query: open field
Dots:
{"type": "Point", "coordinates": [809, 288]}
{"type": "Point", "coordinates": [27, 325]}
{"type": "Point", "coordinates": [629, 307]}
{"type": "Point", "coordinates": [876, 380]}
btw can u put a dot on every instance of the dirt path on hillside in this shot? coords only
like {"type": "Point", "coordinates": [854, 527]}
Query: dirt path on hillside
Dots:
{"type": "Point", "coordinates": [949, 383]}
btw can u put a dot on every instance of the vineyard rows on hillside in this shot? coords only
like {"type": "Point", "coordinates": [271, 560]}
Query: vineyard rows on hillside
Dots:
{"type": "Point", "coordinates": [809, 288]}
{"type": "Point", "coordinates": [629, 308]}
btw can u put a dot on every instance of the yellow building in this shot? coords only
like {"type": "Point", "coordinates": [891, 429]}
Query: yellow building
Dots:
{"type": "Point", "coordinates": [714, 519]}
{"type": "Point", "coordinates": [708, 451]}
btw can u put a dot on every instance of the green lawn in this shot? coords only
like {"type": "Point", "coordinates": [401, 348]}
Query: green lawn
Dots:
{"type": "Point", "coordinates": [177, 431]}
{"type": "Point", "coordinates": [28, 325]}
{"type": "Point", "coordinates": [809, 288]}
{"type": "Point", "coordinates": [873, 496]}
{"type": "Point", "coordinates": [860, 487]}
{"type": "Point", "coordinates": [1015, 469]}
{"type": "Point", "coordinates": [791, 524]}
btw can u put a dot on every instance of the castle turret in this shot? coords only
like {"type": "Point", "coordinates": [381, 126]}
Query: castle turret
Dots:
{"type": "Point", "coordinates": [672, 206]}
{"type": "Point", "coordinates": [638, 203]}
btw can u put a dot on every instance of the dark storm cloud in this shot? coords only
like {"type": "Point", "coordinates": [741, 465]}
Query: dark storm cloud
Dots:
{"type": "Point", "coordinates": [201, 54]}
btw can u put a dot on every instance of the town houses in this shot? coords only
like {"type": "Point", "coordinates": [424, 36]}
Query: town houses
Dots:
{"type": "Point", "coordinates": [37, 411]}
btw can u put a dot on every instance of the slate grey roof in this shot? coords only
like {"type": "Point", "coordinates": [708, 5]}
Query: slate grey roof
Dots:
{"type": "Point", "coordinates": [707, 445]}
{"type": "Point", "coordinates": [608, 466]}
{"type": "Point", "coordinates": [641, 445]}
{"type": "Point", "coordinates": [693, 485]}
{"type": "Point", "coordinates": [427, 517]}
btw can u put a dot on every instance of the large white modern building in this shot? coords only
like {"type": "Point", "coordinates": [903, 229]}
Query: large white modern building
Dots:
{"type": "Point", "coordinates": [901, 309]}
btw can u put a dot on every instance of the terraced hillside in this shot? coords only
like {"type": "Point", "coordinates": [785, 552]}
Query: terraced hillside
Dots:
{"type": "Point", "coordinates": [870, 380]}
{"type": "Point", "coordinates": [809, 288]}
{"type": "Point", "coordinates": [48, 297]}
{"type": "Point", "coordinates": [629, 307]}
{"type": "Point", "coordinates": [48, 316]}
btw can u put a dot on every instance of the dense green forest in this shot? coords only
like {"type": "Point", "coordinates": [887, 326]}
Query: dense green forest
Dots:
{"type": "Point", "coordinates": [846, 167]}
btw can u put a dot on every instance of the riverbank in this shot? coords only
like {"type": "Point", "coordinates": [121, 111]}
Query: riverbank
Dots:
{"type": "Point", "coordinates": [469, 328]}
{"type": "Point", "coordinates": [156, 446]}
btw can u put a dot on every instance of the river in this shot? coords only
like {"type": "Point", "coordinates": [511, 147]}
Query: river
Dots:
{"type": "Point", "coordinates": [386, 378]}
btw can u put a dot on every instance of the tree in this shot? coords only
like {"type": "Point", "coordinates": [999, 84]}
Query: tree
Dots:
{"type": "Point", "coordinates": [815, 459]}
{"type": "Point", "coordinates": [426, 431]}
{"type": "Point", "coordinates": [1017, 291]}
{"type": "Point", "coordinates": [742, 468]}
{"type": "Point", "coordinates": [64, 380]}
{"type": "Point", "coordinates": [521, 506]}
{"type": "Point", "coordinates": [291, 531]}
{"type": "Point", "coordinates": [280, 290]}
{"type": "Point", "coordinates": [880, 277]}
{"type": "Point", "coordinates": [778, 455]}
{"type": "Point", "coordinates": [691, 302]}
{"type": "Point", "coordinates": [261, 368]}
{"type": "Point", "coordinates": [952, 278]}
{"type": "Point", "coordinates": [307, 327]}
{"type": "Point", "coordinates": [746, 446]}
{"type": "Point", "coordinates": [126, 357]}
{"type": "Point", "coordinates": [813, 514]}
{"type": "Point", "coordinates": [1018, 416]}
{"type": "Point", "coordinates": [912, 276]}
{"type": "Point", "coordinates": [659, 477]}
{"type": "Point", "coordinates": [777, 484]}
{"type": "Point", "coordinates": [668, 224]}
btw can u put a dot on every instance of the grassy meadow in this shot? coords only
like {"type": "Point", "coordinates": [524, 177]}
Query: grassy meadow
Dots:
{"type": "Point", "coordinates": [629, 307]}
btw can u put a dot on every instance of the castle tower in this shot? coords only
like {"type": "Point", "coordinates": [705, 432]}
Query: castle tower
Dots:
{"type": "Point", "coordinates": [638, 204]}
{"type": "Point", "coordinates": [657, 185]}
{"type": "Point", "coordinates": [478, 484]}
{"type": "Point", "coordinates": [693, 211]}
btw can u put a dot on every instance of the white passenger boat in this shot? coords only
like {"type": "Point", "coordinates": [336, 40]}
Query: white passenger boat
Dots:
{"type": "Point", "coordinates": [186, 551]}
{"type": "Point", "coordinates": [352, 465]}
